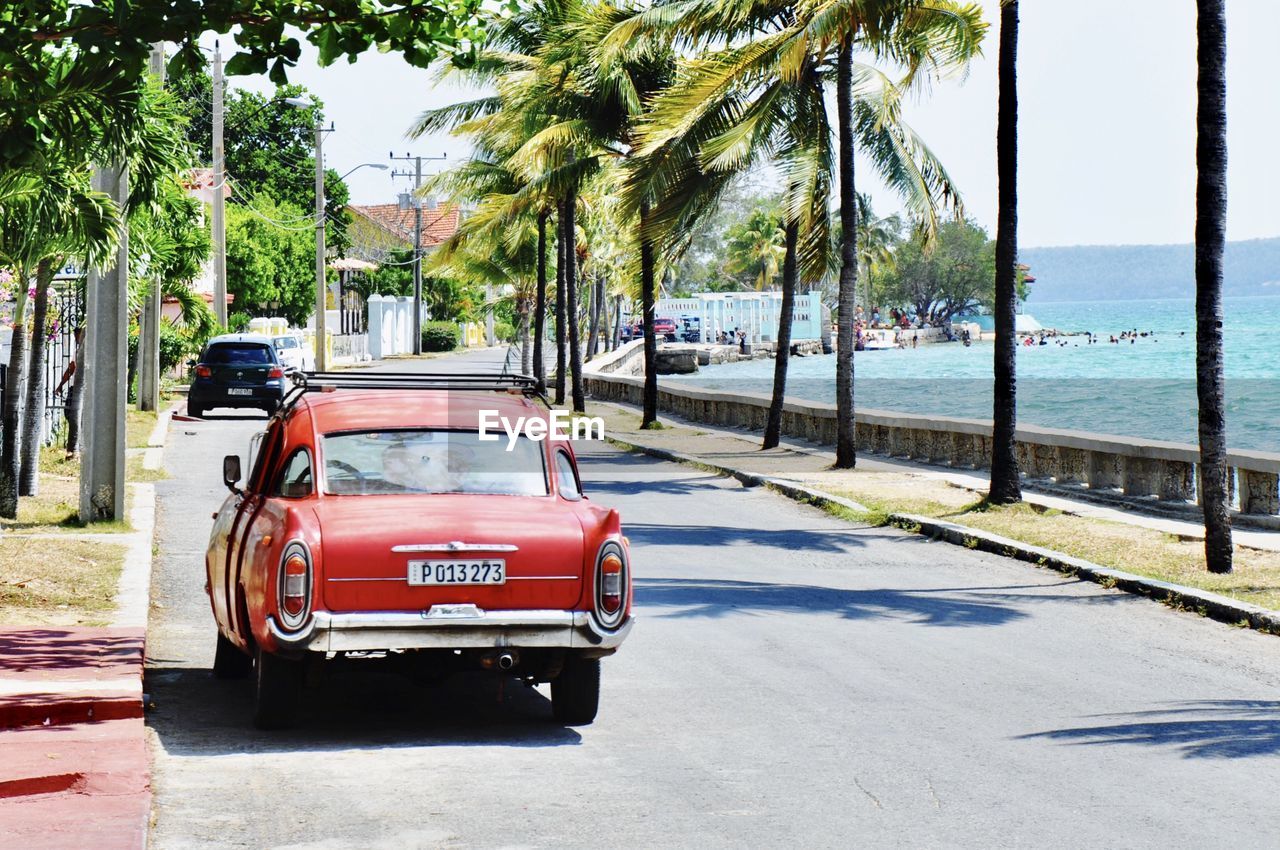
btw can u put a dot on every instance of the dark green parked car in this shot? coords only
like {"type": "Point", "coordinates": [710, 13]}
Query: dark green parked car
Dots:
{"type": "Point", "coordinates": [237, 370]}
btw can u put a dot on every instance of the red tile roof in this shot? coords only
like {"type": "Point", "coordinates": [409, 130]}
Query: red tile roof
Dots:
{"type": "Point", "coordinates": [437, 224]}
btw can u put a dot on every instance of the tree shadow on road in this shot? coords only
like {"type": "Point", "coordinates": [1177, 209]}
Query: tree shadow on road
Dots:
{"type": "Point", "coordinates": [719, 536]}
{"type": "Point", "coordinates": [1217, 729]}
{"type": "Point", "coordinates": [716, 598]}
{"type": "Point", "coordinates": [44, 649]}
{"type": "Point", "coordinates": [195, 714]}
{"type": "Point", "coordinates": [648, 486]}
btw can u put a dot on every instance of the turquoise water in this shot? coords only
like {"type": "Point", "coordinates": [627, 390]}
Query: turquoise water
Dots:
{"type": "Point", "coordinates": [1144, 389]}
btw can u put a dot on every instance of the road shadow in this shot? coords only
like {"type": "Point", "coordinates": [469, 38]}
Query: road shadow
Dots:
{"type": "Point", "coordinates": [717, 536]}
{"type": "Point", "coordinates": [45, 649]}
{"type": "Point", "coordinates": [231, 415]}
{"type": "Point", "coordinates": [648, 486]}
{"type": "Point", "coordinates": [1208, 729]}
{"type": "Point", "coordinates": [716, 598]}
{"type": "Point", "coordinates": [194, 714]}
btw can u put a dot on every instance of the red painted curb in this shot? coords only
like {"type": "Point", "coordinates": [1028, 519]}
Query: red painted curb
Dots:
{"type": "Point", "coordinates": [62, 710]}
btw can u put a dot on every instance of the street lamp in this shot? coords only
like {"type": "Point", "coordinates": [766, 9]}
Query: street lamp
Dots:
{"type": "Point", "coordinates": [376, 165]}
{"type": "Point", "coordinates": [322, 338]}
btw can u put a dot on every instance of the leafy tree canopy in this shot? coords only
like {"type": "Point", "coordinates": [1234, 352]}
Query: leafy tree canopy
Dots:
{"type": "Point", "coordinates": [952, 275]}
{"type": "Point", "coordinates": [110, 42]}
{"type": "Point", "coordinates": [268, 147]}
{"type": "Point", "coordinates": [267, 262]}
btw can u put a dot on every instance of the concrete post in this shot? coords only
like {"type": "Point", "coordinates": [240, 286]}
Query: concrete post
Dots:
{"type": "Point", "coordinates": [106, 346]}
{"type": "Point", "coordinates": [389, 337]}
{"type": "Point", "coordinates": [149, 349]}
{"type": "Point", "coordinates": [488, 317]}
{"type": "Point", "coordinates": [373, 325]}
{"type": "Point", "coordinates": [149, 320]}
{"type": "Point", "coordinates": [405, 323]}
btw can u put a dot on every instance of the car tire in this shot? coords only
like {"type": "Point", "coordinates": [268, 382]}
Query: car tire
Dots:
{"type": "Point", "coordinates": [195, 410]}
{"type": "Point", "coordinates": [229, 662]}
{"type": "Point", "coordinates": [278, 691]}
{"type": "Point", "coordinates": [575, 693]}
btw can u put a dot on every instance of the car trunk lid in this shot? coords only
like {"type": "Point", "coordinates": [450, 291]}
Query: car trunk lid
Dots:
{"type": "Point", "coordinates": [368, 543]}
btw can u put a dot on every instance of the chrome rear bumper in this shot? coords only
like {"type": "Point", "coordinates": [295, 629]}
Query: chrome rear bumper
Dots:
{"type": "Point", "coordinates": [475, 629]}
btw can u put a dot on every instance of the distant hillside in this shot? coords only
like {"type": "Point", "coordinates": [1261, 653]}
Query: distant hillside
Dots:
{"type": "Point", "coordinates": [1116, 272]}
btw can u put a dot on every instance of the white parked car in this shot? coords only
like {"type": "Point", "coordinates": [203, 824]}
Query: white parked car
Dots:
{"type": "Point", "coordinates": [293, 353]}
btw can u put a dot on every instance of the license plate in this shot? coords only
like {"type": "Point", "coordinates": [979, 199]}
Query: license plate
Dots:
{"type": "Point", "coordinates": [491, 571]}
{"type": "Point", "coordinates": [239, 391]}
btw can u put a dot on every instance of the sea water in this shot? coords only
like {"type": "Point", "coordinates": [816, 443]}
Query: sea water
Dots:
{"type": "Point", "coordinates": [1141, 388]}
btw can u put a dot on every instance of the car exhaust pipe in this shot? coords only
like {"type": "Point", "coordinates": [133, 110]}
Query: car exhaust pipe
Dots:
{"type": "Point", "coordinates": [506, 661]}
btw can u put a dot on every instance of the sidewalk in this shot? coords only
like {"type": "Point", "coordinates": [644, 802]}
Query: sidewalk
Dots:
{"type": "Point", "coordinates": [1147, 554]}
{"type": "Point", "coordinates": [76, 770]}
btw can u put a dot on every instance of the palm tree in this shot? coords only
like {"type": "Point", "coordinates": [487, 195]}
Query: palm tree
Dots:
{"type": "Point", "coordinates": [937, 36]}
{"type": "Point", "coordinates": [507, 62]}
{"type": "Point", "coordinates": [726, 107]}
{"type": "Point", "coordinates": [36, 231]}
{"type": "Point", "coordinates": [757, 248]}
{"type": "Point", "coordinates": [506, 261]}
{"type": "Point", "coordinates": [1211, 236]}
{"type": "Point", "coordinates": [1005, 485]}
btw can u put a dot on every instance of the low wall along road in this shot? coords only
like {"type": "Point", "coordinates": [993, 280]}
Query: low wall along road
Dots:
{"type": "Point", "coordinates": [1153, 470]}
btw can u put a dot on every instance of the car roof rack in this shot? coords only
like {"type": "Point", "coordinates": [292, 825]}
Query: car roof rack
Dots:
{"type": "Point", "coordinates": [310, 382]}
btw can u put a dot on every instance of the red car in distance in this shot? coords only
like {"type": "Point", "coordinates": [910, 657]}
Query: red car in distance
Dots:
{"type": "Point", "coordinates": [376, 524]}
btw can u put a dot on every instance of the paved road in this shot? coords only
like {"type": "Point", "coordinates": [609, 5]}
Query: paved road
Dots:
{"type": "Point", "coordinates": [793, 681]}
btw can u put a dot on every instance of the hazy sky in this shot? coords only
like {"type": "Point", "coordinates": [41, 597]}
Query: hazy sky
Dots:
{"type": "Point", "coordinates": [1106, 137]}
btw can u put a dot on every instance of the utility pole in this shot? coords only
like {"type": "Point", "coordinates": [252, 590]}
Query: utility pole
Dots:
{"type": "Point", "coordinates": [322, 283]}
{"type": "Point", "coordinates": [149, 321]}
{"type": "Point", "coordinates": [219, 213]}
{"type": "Point", "coordinates": [106, 353]}
{"type": "Point", "coordinates": [417, 239]}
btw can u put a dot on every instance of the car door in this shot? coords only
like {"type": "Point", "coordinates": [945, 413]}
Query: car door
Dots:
{"type": "Point", "coordinates": [251, 501]}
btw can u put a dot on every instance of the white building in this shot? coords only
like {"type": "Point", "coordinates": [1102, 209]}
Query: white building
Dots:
{"type": "Point", "coordinates": [756, 313]}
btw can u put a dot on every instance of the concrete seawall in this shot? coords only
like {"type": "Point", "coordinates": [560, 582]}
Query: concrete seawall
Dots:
{"type": "Point", "coordinates": [1154, 470]}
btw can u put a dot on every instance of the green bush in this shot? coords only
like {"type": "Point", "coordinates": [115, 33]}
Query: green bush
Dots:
{"type": "Point", "coordinates": [237, 323]}
{"type": "Point", "coordinates": [504, 331]}
{"type": "Point", "coordinates": [439, 336]}
{"type": "Point", "coordinates": [174, 347]}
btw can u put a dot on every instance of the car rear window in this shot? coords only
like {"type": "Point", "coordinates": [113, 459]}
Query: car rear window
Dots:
{"type": "Point", "coordinates": [286, 342]}
{"type": "Point", "coordinates": [431, 461]}
{"type": "Point", "coordinates": [223, 353]}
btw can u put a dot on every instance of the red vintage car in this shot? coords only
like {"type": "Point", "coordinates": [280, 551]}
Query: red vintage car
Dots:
{"type": "Point", "coordinates": [378, 522]}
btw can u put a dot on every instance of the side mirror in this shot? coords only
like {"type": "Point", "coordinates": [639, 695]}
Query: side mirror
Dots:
{"type": "Point", "coordinates": [193, 363]}
{"type": "Point", "coordinates": [231, 472]}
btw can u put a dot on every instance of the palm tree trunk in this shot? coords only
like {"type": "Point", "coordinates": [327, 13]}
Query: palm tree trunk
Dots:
{"type": "Point", "coordinates": [773, 425]}
{"type": "Point", "coordinates": [571, 298]}
{"type": "Point", "coordinates": [560, 335]}
{"type": "Point", "coordinates": [846, 429]}
{"type": "Point", "coordinates": [593, 319]}
{"type": "Point", "coordinates": [522, 309]}
{"type": "Point", "coordinates": [11, 413]}
{"type": "Point", "coordinates": [647, 301]}
{"type": "Point", "coordinates": [1005, 485]}
{"type": "Point", "coordinates": [616, 339]}
{"type": "Point", "coordinates": [540, 306]}
{"type": "Point", "coordinates": [1211, 236]}
{"type": "Point", "coordinates": [33, 414]}
{"type": "Point", "coordinates": [604, 315]}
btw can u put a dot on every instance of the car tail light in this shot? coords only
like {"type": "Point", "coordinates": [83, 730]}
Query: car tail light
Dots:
{"type": "Point", "coordinates": [204, 372]}
{"type": "Point", "coordinates": [611, 585]}
{"type": "Point", "coordinates": [276, 372]}
{"type": "Point", "coordinates": [295, 585]}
